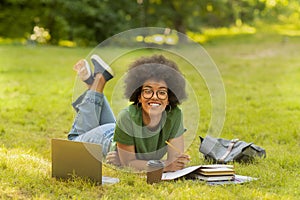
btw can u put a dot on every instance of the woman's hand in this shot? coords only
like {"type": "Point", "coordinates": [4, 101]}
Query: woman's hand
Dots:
{"type": "Point", "coordinates": [179, 163]}
{"type": "Point", "coordinates": [113, 158]}
{"type": "Point", "coordinates": [176, 160]}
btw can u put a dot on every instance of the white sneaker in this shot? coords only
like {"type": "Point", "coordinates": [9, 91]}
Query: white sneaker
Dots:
{"type": "Point", "coordinates": [101, 67]}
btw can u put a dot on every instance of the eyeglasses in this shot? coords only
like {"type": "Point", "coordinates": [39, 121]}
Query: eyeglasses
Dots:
{"type": "Point", "coordinates": [161, 94]}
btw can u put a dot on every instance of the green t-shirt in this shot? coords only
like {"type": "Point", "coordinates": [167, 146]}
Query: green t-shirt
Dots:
{"type": "Point", "coordinates": [149, 145]}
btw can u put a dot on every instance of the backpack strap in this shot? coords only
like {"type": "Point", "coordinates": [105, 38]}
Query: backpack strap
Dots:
{"type": "Point", "coordinates": [229, 149]}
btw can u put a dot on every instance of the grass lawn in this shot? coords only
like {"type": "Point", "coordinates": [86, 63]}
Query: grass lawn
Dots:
{"type": "Point", "coordinates": [261, 76]}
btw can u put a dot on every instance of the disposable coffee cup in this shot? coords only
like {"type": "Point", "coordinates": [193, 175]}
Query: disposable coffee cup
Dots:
{"type": "Point", "coordinates": [155, 169]}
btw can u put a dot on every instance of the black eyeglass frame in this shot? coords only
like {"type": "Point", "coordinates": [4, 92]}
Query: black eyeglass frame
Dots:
{"type": "Point", "coordinates": [157, 94]}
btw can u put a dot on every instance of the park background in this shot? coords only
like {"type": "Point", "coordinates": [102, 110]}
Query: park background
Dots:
{"type": "Point", "coordinates": [254, 43]}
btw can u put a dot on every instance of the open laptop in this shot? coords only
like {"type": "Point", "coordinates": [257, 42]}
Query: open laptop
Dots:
{"type": "Point", "coordinates": [81, 159]}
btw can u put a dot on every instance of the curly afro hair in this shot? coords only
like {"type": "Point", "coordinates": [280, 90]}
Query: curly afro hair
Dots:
{"type": "Point", "coordinates": [157, 68]}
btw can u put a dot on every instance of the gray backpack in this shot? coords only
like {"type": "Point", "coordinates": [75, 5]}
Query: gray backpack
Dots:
{"type": "Point", "coordinates": [219, 150]}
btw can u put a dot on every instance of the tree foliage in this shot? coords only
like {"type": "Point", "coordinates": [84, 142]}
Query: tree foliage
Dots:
{"type": "Point", "coordinates": [90, 21]}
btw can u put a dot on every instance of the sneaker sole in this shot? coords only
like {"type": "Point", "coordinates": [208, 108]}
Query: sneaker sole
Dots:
{"type": "Point", "coordinates": [86, 65]}
{"type": "Point", "coordinates": [89, 79]}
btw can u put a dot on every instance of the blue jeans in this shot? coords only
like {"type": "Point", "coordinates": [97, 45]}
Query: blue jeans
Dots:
{"type": "Point", "coordinates": [94, 121]}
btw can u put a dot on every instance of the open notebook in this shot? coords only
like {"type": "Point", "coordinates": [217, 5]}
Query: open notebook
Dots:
{"type": "Point", "coordinates": [81, 159]}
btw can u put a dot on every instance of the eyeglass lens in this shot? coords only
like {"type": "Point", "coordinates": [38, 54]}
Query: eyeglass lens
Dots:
{"type": "Point", "coordinates": [161, 94]}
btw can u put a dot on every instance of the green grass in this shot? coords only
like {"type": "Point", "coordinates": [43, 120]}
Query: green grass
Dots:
{"type": "Point", "coordinates": [261, 75]}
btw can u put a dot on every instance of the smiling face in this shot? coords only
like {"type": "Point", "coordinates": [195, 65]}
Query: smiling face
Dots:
{"type": "Point", "coordinates": [154, 98]}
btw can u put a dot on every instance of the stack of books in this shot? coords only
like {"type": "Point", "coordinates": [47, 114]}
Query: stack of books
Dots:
{"type": "Point", "coordinates": [214, 173]}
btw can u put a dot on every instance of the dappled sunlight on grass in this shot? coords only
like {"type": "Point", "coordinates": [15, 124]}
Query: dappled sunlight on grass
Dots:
{"type": "Point", "coordinates": [22, 162]}
{"type": "Point", "coordinates": [208, 34]}
{"type": "Point", "coordinates": [287, 29]}
{"type": "Point", "coordinates": [28, 175]}
{"type": "Point", "coordinates": [13, 41]}
{"type": "Point", "coordinates": [234, 30]}
{"type": "Point", "coordinates": [21, 168]}
{"type": "Point", "coordinates": [66, 43]}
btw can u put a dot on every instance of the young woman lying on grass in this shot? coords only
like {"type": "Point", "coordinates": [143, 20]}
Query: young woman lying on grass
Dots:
{"type": "Point", "coordinates": [155, 87]}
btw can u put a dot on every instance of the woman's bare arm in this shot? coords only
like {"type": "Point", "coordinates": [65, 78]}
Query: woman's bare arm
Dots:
{"type": "Point", "coordinates": [128, 158]}
{"type": "Point", "coordinates": [174, 162]}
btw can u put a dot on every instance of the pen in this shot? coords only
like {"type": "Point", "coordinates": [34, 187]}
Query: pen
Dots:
{"type": "Point", "coordinates": [173, 147]}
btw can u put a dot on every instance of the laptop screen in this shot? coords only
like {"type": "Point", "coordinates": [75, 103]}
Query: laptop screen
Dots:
{"type": "Point", "coordinates": [70, 158]}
